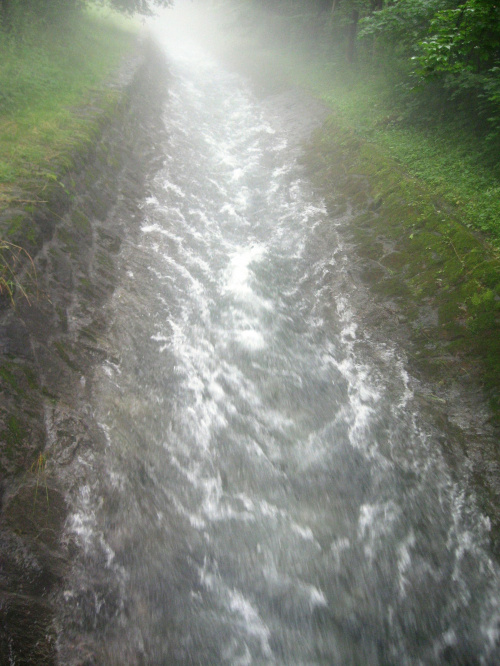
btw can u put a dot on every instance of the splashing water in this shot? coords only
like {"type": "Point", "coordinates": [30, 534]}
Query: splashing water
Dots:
{"type": "Point", "coordinates": [269, 492]}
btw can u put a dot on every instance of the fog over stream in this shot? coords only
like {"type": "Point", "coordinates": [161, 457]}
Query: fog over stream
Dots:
{"type": "Point", "coordinates": [270, 492]}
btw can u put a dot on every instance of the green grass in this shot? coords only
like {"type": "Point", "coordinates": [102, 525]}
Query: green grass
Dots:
{"type": "Point", "coordinates": [11, 258]}
{"type": "Point", "coordinates": [51, 79]}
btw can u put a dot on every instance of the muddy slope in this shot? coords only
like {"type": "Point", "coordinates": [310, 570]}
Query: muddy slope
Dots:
{"type": "Point", "coordinates": [48, 348]}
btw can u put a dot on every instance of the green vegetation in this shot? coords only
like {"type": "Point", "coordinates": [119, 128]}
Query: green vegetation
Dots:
{"type": "Point", "coordinates": [14, 14]}
{"type": "Point", "coordinates": [445, 53]}
{"type": "Point", "coordinates": [445, 281]}
{"type": "Point", "coordinates": [56, 60]}
{"type": "Point", "coordinates": [420, 78]}
{"type": "Point", "coordinates": [38, 468]}
{"type": "Point", "coordinates": [50, 78]}
{"type": "Point", "coordinates": [11, 257]}
{"type": "Point", "coordinates": [448, 158]}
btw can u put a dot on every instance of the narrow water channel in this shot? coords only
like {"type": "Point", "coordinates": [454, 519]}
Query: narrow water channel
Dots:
{"type": "Point", "coordinates": [269, 492]}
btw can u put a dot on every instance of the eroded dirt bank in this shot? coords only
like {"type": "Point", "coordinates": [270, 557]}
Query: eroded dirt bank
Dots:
{"type": "Point", "coordinates": [48, 348]}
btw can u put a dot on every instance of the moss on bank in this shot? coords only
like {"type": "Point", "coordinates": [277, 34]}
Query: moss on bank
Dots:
{"type": "Point", "coordinates": [444, 278]}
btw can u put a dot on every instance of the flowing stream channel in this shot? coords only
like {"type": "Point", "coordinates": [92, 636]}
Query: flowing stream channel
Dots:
{"type": "Point", "coordinates": [269, 492]}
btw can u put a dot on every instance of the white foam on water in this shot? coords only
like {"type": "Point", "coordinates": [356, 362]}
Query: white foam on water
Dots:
{"type": "Point", "coordinates": [238, 174]}
{"type": "Point", "coordinates": [152, 227]}
{"type": "Point", "coordinates": [305, 533]}
{"type": "Point", "coordinates": [490, 625]}
{"type": "Point", "coordinates": [232, 654]}
{"type": "Point", "coordinates": [280, 145]}
{"type": "Point", "coordinates": [275, 514]}
{"type": "Point", "coordinates": [82, 521]}
{"type": "Point", "coordinates": [231, 210]}
{"type": "Point", "coordinates": [242, 199]}
{"type": "Point", "coordinates": [312, 451]}
{"type": "Point", "coordinates": [83, 524]}
{"type": "Point", "coordinates": [194, 518]}
{"type": "Point", "coordinates": [238, 274]}
{"type": "Point", "coordinates": [219, 187]}
{"type": "Point", "coordinates": [237, 434]}
{"type": "Point", "coordinates": [172, 187]}
{"type": "Point", "coordinates": [349, 332]}
{"type": "Point", "coordinates": [316, 597]}
{"type": "Point", "coordinates": [281, 171]}
{"type": "Point", "coordinates": [375, 522]}
{"type": "Point", "coordinates": [244, 613]}
{"type": "Point", "coordinates": [302, 593]}
{"type": "Point", "coordinates": [251, 621]}
{"type": "Point", "coordinates": [251, 339]}
{"type": "Point", "coordinates": [405, 561]}
{"type": "Point", "coordinates": [338, 547]}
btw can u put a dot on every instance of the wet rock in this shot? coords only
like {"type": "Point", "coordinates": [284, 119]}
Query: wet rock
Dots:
{"type": "Point", "coordinates": [26, 635]}
{"type": "Point", "coordinates": [48, 349]}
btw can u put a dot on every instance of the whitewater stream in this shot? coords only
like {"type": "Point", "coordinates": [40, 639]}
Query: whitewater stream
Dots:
{"type": "Point", "coordinates": [269, 492]}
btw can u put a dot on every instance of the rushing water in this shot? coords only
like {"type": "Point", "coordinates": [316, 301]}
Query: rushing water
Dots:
{"type": "Point", "coordinates": [269, 493]}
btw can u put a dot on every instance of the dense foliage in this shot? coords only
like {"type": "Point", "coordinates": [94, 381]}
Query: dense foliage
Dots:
{"type": "Point", "coordinates": [446, 52]}
{"type": "Point", "coordinates": [454, 47]}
